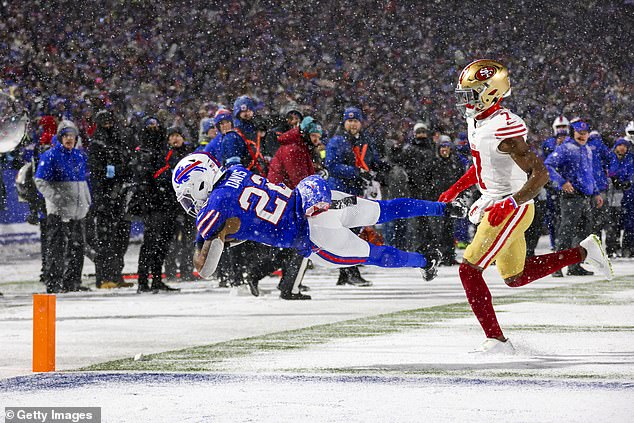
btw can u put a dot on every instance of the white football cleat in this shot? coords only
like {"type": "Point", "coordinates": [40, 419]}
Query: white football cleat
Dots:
{"type": "Point", "coordinates": [596, 256]}
{"type": "Point", "coordinates": [495, 346]}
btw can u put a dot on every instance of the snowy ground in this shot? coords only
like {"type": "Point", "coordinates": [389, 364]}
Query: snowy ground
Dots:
{"type": "Point", "coordinates": [397, 351]}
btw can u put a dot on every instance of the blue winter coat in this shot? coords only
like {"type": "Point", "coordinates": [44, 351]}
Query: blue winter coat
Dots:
{"type": "Point", "coordinates": [340, 162]}
{"type": "Point", "coordinates": [233, 150]}
{"type": "Point", "coordinates": [601, 159]}
{"type": "Point", "coordinates": [572, 162]}
{"type": "Point", "coordinates": [214, 147]}
{"type": "Point", "coordinates": [61, 178]}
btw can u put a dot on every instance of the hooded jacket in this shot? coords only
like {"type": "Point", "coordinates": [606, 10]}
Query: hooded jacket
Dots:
{"type": "Point", "coordinates": [108, 161]}
{"type": "Point", "coordinates": [292, 161]}
{"type": "Point", "coordinates": [341, 162]}
{"type": "Point", "coordinates": [61, 178]}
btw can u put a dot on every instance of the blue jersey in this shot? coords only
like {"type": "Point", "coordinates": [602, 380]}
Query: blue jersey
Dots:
{"type": "Point", "coordinates": [270, 214]}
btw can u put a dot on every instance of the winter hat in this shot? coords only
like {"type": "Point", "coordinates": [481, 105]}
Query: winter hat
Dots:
{"type": "Point", "coordinates": [243, 103]}
{"type": "Point", "coordinates": [177, 130]}
{"type": "Point", "coordinates": [151, 120]}
{"type": "Point", "coordinates": [352, 113]}
{"type": "Point", "coordinates": [420, 126]}
{"type": "Point", "coordinates": [310, 126]}
{"type": "Point", "coordinates": [66, 127]}
{"type": "Point", "coordinates": [206, 124]}
{"type": "Point", "coordinates": [103, 117]}
{"type": "Point", "coordinates": [580, 125]}
{"type": "Point", "coordinates": [444, 138]}
{"type": "Point", "coordinates": [222, 114]}
{"type": "Point", "coordinates": [291, 107]}
{"type": "Point", "coordinates": [622, 141]}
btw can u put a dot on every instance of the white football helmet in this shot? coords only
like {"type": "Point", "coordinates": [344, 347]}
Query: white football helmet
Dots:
{"type": "Point", "coordinates": [560, 125]}
{"type": "Point", "coordinates": [629, 131]}
{"type": "Point", "coordinates": [193, 180]}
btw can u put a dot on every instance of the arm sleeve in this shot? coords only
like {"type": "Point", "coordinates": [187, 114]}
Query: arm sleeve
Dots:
{"type": "Point", "coordinates": [44, 168]}
{"type": "Point", "coordinates": [211, 219]}
{"type": "Point", "coordinates": [233, 149]}
{"type": "Point", "coordinates": [48, 190]}
{"type": "Point", "coordinates": [467, 180]}
{"type": "Point", "coordinates": [552, 163]}
{"type": "Point", "coordinates": [512, 127]}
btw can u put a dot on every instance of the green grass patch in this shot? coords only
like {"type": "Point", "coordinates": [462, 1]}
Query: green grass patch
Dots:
{"type": "Point", "coordinates": [215, 357]}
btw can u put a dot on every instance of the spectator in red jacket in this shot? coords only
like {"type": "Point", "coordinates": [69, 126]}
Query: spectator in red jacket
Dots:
{"type": "Point", "coordinates": [295, 159]}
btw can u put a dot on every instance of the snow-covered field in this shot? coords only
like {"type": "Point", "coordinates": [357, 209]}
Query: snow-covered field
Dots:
{"type": "Point", "coordinates": [396, 351]}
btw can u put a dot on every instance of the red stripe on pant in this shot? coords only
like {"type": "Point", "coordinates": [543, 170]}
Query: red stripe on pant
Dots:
{"type": "Point", "coordinates": [499, 243]}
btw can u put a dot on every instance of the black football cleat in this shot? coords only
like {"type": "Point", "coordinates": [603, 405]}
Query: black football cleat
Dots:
{"type": "Point", "coordinates": [253, 287]}
{"type": "Point", "coordinates": [162, 286]}
{"type": "Point", "coordinates": [288, 295]}
{"type": "Point", "coordinates": [578, 271]}
{"type": "Point", "coordinates": [430, 270]}
{"type": "Point", "coordinates": [352, 276]}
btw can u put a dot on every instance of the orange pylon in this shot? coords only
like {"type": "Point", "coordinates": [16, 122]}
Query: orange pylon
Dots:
{"type": "Point", "coordinates": [43, 332]}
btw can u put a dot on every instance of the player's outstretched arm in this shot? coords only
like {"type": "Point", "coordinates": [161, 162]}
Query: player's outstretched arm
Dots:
{"type": "Point", "coordinates": [466, 181]}
{"type": "Point", "coordinates": [207, 257]}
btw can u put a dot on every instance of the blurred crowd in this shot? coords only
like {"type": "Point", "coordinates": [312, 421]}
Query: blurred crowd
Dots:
{"type": "Point", "coordinates": [140, 85]}
{"type": "Point", "coordinates": [398, 60]}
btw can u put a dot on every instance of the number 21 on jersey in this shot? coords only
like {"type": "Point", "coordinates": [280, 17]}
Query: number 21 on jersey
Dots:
{"type": "Point", "coordinates": [264, 199]}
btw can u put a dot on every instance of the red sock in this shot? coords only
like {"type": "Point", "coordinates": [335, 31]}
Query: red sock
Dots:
{"type": "Point", "coordinates": [540, 266]}
{"type": "Point", "coordinates": [480, 299]}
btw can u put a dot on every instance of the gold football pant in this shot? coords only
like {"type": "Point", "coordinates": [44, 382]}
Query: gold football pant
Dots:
{"type": "Point", "coordinates": [503, 244]}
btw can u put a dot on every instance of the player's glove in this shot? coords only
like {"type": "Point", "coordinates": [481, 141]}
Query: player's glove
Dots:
{"type": "Point", "coordinates": [457, 208]}
{"type": "Point", "coordinates": [367, 176]}
{"type": "Point", "coordinates": [500, 211]}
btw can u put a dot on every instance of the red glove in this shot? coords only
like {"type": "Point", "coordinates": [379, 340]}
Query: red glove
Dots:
{"type": "Point", "coordinates": [501, 210]}
{"type": "Point", "coordinates": [467, 180]}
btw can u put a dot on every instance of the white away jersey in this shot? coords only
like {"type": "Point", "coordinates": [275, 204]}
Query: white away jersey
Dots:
{"type": "Point", "coordinates": [498, 175]}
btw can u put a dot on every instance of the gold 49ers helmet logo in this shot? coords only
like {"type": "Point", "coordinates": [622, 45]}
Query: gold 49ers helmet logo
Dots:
{"type": "Point", "coordinates": [485, 73]}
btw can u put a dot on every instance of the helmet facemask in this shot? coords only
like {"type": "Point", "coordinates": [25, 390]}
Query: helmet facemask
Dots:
{"type": "Point", "coordinates": [193, 180]}
{"type": "Point", "coordinates": [468, 101]}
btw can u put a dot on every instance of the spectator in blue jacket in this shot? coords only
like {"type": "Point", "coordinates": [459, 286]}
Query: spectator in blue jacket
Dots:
{"type": "Point", "coordinates": [241, 145]}
{"type": "Point", "coordinates": [223, 121]}
{"type": "Point", "coordinates": [601, 158]}
{"type": "Point", "coordinates": [61, 178]}
{"type": "Point", "coordinates": [353, 162]}
{"type": "Point", "coordinates": [570, 168]}
{"type": "Point", "coordinates": [561, 129]}
{"type": "Point", "coordinates": [621, 200]}
{"type": "Point", "coordinates": [243, 115]}
{"type": "Point", "coordinates": [352, 158]}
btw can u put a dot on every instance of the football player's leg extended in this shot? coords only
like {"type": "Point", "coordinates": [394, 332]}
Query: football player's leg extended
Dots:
{"type": "Point", "coordinates": [340, 247]}
{"type": "Point", "coordinates": [516, 270]}
{"type": "Point", "coordinates": [370, 212]}
{"type": "Point", "coordinates": [489, 244]}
